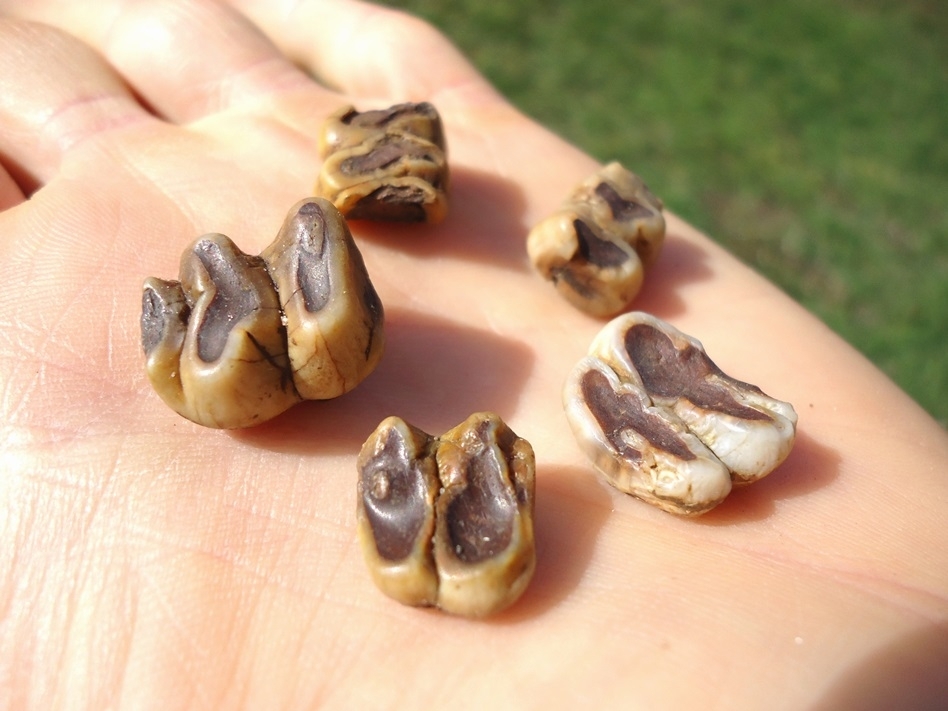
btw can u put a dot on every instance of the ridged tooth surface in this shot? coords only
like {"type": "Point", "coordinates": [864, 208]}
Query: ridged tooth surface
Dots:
{"type": "Point", "coordinates": [646, 365]}
{"type": "Point", "coordinates": [598, 245]}
{"type": "Point", "coordinates": [448, 521]}
{"type": "Point", "coordinates": [239, 339]}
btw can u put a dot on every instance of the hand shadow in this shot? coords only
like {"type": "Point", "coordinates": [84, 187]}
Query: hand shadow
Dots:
{"type": "Point", "coordinates": [571, 508]}
{"type": "Point", "coordinates": [680, 262]}
{"type": "Point", "coordinates": [484, 224]}
{"type": "Point", "coordinates": [434, 374]}
{"type": "Point", "coordinates": [906, 674]}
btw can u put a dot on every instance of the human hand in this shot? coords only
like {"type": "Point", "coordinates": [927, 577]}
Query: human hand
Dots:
{"type": "Point", "coordinates": [150, 562]}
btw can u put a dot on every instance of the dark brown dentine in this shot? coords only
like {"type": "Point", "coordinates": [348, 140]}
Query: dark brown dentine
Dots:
{"type": "Point", "coordinates": [595, 250]}
{"type": "Point", "coordinates": [668, 372]}
{"type": "Point", "coordinates": [235, 297]}
{"type": "Point", "coordinates": [393, 203]}
{"type": "Point", "coordinates": [383, 117]}
{"type": "Point", "coordinates": [163, 303]}
{"type": "Point", "coordinates": [480, 517]}
{"type": "Point", "coordinates": [622, 209]}
{"type": "Point", "coordinates": [393, 494]}
{"type": "Point", "coordinates": [384, 155]}
{"type": "Point", "coordinates": [312, 261]}
{"type": "Point", "coordinates": [616, 412]}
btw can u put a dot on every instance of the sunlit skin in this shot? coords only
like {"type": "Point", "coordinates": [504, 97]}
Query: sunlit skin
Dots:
{"type": "Point", "coordinates": [148, 562]}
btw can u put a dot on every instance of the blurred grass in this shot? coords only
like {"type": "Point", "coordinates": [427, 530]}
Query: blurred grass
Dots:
{"type": "Point", "coordinates": [808, 137]}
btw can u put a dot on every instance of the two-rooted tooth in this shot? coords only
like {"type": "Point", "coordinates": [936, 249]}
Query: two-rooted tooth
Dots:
{"type": "Point", "coordinates": [596, 247]}
{"type": "Point", "coordinates": [662, 422]}
{"type": "Point", "coordinates": [238, 339]}
{"type": "Point", "coordinates": [448, 521]}
{"type": "Point", "coordinates": [386, 164]}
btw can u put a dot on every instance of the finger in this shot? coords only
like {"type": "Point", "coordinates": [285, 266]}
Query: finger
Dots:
{"type": "Point", "coordinates": [57, 94]}
{"type": "Point", "coordinates": [369, 51]}
{"type": "Point", "coordinates": [186, 59]}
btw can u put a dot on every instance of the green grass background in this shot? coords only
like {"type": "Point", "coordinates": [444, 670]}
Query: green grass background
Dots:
{"type": "Point", "coordinates": [808, 137]}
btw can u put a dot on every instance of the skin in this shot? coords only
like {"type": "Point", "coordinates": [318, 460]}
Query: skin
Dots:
{"type": "Point", "coordinates": [147, 562]}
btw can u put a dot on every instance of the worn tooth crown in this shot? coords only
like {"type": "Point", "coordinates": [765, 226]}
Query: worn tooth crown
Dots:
{"type": "Point", "coordinates": [333, 314]}
{"type": "Point", "coordinates": [597, 246]}
{"type": "Point", "coordinates": [398, 484]}
{"type": "Point", "coordinates": [463, 539]}
{"type": "Point", "coordinates": [223, 351]}
{"type": "Point", "coordinates": [650, 408]}
{"type": "Point", "coordinates": [641, 449]}
{"type": "Point", "coordinates": [221, 357]}
{"type": "Point", "coordinates": [387, 164]}
{"type": "Point", "coordinates": [348, 127]}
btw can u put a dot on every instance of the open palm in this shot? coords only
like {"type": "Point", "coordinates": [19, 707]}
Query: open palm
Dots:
{"type": "Point", "coordinates": [150, 562]}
